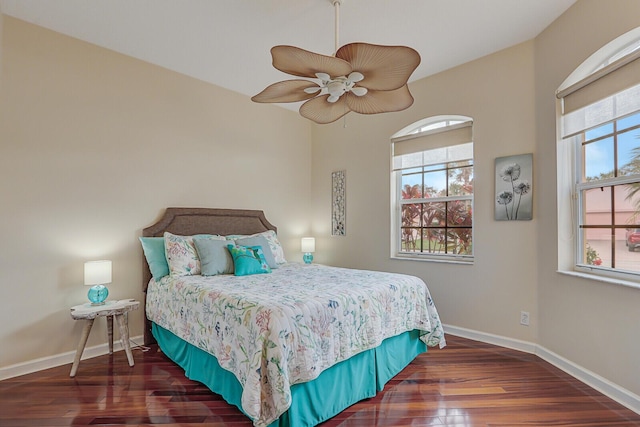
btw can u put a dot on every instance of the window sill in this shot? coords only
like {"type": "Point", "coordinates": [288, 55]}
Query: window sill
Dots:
{"type": "Point", "coordinates": [444, 260]}
{"type": "Point", "coordinates": [603, 279]}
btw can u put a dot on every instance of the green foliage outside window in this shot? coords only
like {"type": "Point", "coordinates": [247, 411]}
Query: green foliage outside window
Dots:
{"type": "Point", "coordinates": [442, 226]}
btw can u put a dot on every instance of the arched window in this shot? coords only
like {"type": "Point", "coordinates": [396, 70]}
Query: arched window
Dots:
{"type": "Point", "coordinates": [599, 163]}
{"type": "Point", "coordinates": [432, 190]}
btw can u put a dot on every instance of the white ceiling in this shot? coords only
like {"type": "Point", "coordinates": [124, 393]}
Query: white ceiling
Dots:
{"type": "Point", "coordinates": [227, 42]}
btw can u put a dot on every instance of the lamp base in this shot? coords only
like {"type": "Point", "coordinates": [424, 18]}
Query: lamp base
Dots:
{"type": "Point", "coordinates": [98, 294]}
{"type": "Point", "coordinates": [307, 258]}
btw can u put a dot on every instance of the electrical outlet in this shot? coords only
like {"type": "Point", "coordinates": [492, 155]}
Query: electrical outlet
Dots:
{"type": "Point", "coordinates": [524, 318]}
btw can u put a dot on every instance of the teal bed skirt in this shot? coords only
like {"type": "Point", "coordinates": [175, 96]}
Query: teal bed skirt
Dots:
{"type": "Point", "coordinates": [335, 389]}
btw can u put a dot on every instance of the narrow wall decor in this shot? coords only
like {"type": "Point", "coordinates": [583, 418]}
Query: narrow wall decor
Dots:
{"type": "Point", "coordinates": [514, 193]}
{"type": "Point", "coordinates": [339, 201]}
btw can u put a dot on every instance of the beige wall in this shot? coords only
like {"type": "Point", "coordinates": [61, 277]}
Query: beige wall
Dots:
{"type": "Point", "coordinates": [498, 93]}
{"type": "Point", "coordinates": [93, 146]}
{"type": "Point", "coordinates": [510, 96]}
{"type": "Point", "coordinates": [593, 324]}
{"type": "Point", "coordinates": [1, 24]}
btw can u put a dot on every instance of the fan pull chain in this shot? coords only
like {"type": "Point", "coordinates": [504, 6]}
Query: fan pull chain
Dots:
{"type": "Point", "coordinates": [336, 5]}
{"type": "Point", "coordinates": [344, 118]}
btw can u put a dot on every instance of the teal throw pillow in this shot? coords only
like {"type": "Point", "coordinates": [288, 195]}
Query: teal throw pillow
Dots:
{"type": "Point", "coordinates": [214, 256]}
{"type": "Point", "coordinates": [153, 248]}
{"type": "Point", "coordinates": [248, 260]}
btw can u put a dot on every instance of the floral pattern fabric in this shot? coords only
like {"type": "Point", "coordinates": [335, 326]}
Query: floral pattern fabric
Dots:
{"type": "Point", "coordinates": [181, 254]}
{"type": "Point", "coordinates": [274, 244]}
{"type": "Point", "coordinates": [248, 260]}
{"type": "Point", "coordinates": [279, 329]}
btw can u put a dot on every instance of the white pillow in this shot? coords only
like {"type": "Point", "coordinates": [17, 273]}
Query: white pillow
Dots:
{"type": "Point", "coordinates": [272, 239]}
{"type": "Point", "coordinates": [274, 244]}
{"type": "Point", "coordinates": [181, 255]}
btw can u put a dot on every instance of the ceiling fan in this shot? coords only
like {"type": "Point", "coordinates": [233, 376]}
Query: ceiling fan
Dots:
{"type": "Point", "coordinates": [360, 77]}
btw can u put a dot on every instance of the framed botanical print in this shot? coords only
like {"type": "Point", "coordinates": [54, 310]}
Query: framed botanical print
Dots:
{"type": "Point", "coordinates": [514, 191]}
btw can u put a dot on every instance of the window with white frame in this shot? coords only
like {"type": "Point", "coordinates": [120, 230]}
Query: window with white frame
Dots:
{"type": "Point", "coordinates": [432, 190]}
{"type": "Point", "coordinates": [599, 163]}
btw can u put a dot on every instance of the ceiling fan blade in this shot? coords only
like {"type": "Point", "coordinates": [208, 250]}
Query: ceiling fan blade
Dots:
{"type": "Point", "coordinates": [380, 101]}
{"type": "Point", "coordinates": [302, 63]}
{"type": "Point", "coordinates": [383, 67]}
{"type": "Point", "coordinates": [323, 112]}
{"type": "Point", "coordinates": [286, 91]}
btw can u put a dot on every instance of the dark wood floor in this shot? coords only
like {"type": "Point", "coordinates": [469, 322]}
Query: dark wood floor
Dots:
{"type": "Point", "coordinates": [467, 384]}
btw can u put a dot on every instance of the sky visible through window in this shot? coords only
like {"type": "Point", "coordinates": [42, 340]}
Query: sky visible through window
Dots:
{"type": "Point", "coordinates": [599, 159]}
{"type": "Point", "coordinates": [433, 180]}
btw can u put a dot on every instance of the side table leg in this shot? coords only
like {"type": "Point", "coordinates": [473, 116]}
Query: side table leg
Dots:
{"type": "Point", "coordinates": [124, 336]}
{"type": "Point", "coordinates": [110, 333]}
{"type": "Point", "coordinates": [81, 344]}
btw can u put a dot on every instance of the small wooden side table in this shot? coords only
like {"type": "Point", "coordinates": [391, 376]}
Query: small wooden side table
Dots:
{"type": "Point", "coordinates": [110, 309]}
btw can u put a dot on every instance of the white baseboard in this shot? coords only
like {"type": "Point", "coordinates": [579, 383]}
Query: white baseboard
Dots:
{"type": "Point", "coordinates": [604, 386]}
{"type": "Point", "coordinates": [60, 359]}
{"type": "Point", "coordinates": [485, 337]}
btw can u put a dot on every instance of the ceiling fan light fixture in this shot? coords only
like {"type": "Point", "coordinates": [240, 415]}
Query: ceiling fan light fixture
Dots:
{"type": "Point", "coordinates": [357, 72]}
{"type": "Point", "coordinates": [359, 91]}
{"type": "Point", "coordinates": [313, 89]}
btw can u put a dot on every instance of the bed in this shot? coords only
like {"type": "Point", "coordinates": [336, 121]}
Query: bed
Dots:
{"type": "Point", "coordinates": [291, 346]}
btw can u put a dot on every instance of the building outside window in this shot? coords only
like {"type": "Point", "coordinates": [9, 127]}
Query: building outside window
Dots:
{"type": "Point", "coordinates": [608, 194]}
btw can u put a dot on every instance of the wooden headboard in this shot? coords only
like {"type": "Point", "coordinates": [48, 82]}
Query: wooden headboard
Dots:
{"type": "Point", "coordinates": [190, 221]}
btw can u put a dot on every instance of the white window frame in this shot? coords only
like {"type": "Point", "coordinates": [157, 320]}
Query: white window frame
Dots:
{"type": "Point", "coordinates": [604, 63]}
{"type": "Point", "coordinates": [426, 127]}
{"type": "Point", "coordinates": [579, 190]}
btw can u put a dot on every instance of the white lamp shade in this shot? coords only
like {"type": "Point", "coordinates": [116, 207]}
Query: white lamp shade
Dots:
{"type": "Point", "coordinates": [308, 244]}
{"type": "Point", "coordinates": [97, 272]}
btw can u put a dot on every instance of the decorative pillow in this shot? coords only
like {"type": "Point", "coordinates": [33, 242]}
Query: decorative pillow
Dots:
{"type": "Point", "coordinates": [209, 236]}
{"type": "Point", "coordinates": [274, 244]}
{"type": "Point", "coordinates": [181, 255]}
{"type": "Point", "coordinates": [153, 248]}
{"type": "Point", "coordinates": [248, 260]}
{"type": "Point", "coordinates": [264, 244]}
{"type": "Point", "coordinates": [272, 239]}
{"type": "Point", "coordinates": [214, 256]}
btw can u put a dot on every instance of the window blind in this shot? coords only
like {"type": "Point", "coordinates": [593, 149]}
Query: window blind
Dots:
{"type": "Point", "coordinates": [614, 78]}
{"type": "Point", "coordinates": [607, 94]}
{"type": "Point", "coordinates": [450, 144]}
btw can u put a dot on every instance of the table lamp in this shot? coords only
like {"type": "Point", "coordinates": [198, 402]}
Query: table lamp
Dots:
{"type": "Point", "coordinates": [97, 274]}
{"type": "Point", "coordinates": [308, 245]}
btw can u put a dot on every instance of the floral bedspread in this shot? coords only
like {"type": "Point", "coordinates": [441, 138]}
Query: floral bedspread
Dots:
{"type": "Point", "coordinates": [283, 328]}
